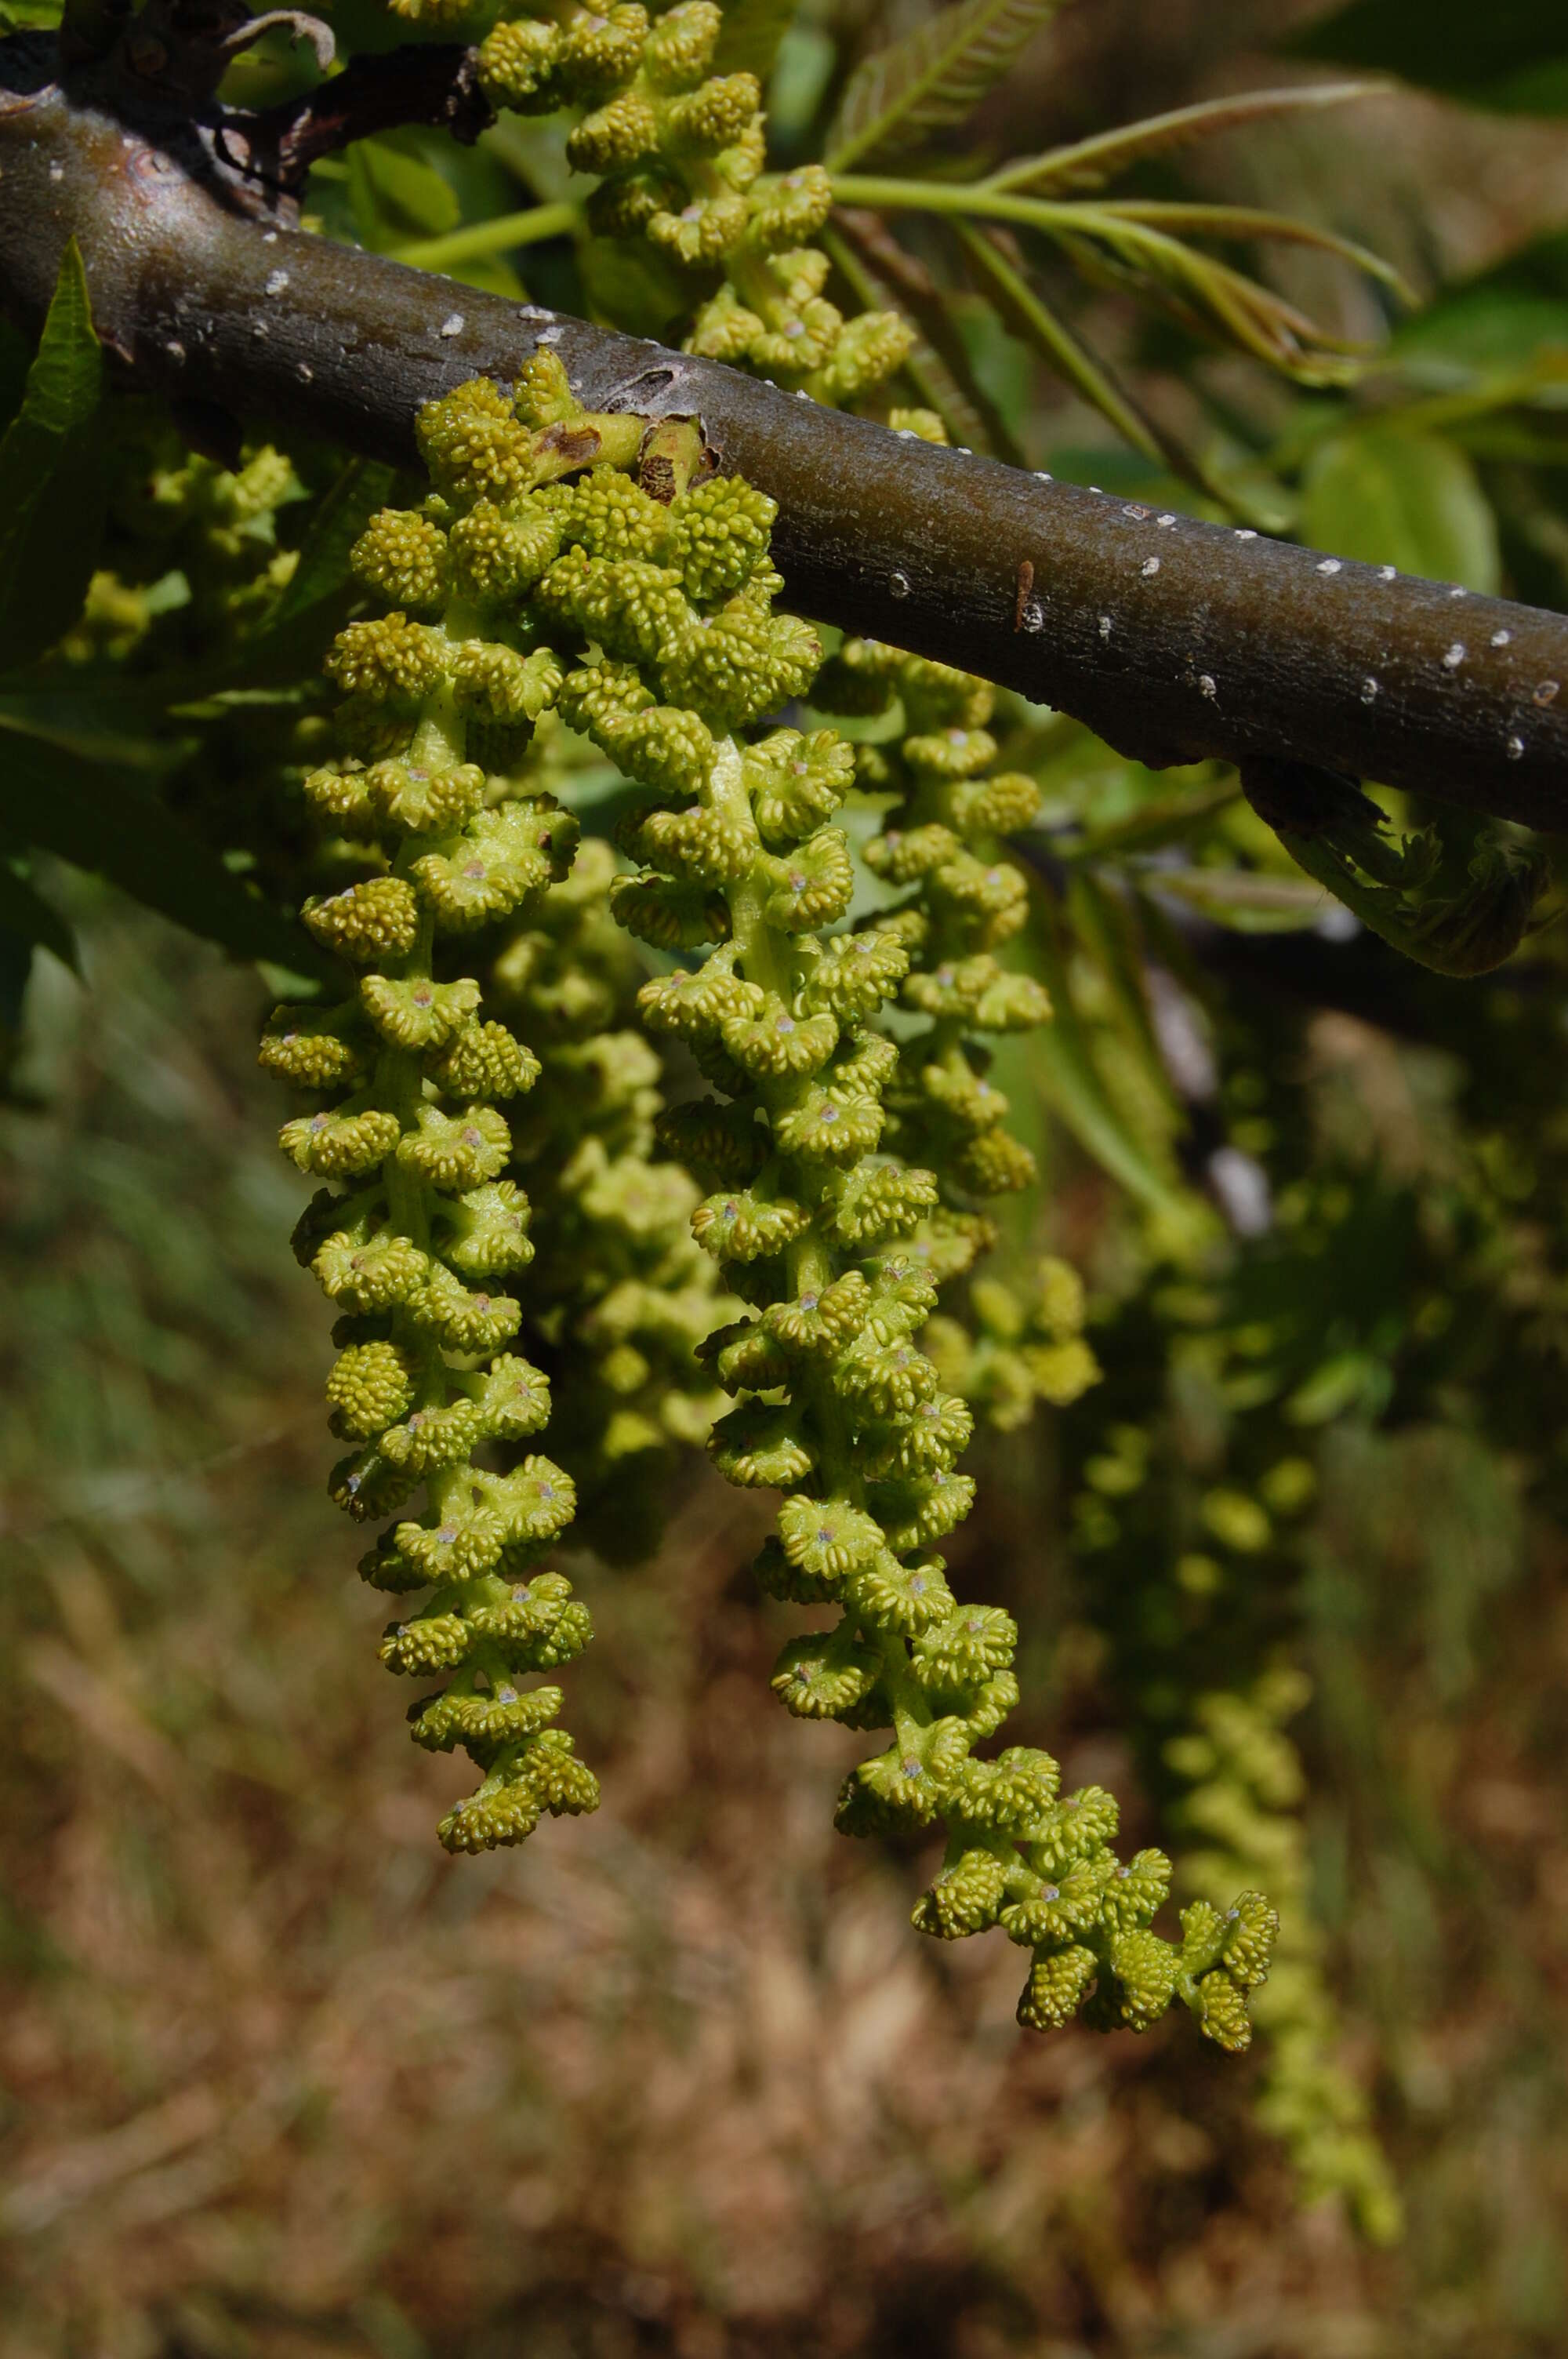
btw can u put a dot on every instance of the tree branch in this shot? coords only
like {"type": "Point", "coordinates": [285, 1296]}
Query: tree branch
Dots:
{"type": "Point", "coordinates": [436, 83]}
{"type": "Point", "coordinates": [1174, 640]}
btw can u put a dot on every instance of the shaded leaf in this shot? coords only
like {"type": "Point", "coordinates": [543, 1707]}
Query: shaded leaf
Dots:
{"type": "Point", "coordinates": [51, 477]}
{"type": "Point", "coordinates": [1240, 899]}
{"type": "Point", "coordinates": [886, 276]}
{"type": "Point", "coordinates": [1027, 312]}
{"type": "Point", "coordinates": [28, 918]}
{"type": "Point", "coordinates": [1410, 500]}
{"type": "Point", "coordinates": [106, 822]}
{"type": "Point", "coordinates": [360, 487]}
{"type": "Point", "coordinates": [750, 37]}
{"type": "Point", "coordinates": [1107, 931]}
{"type": "Point", "coordinates": [935, 76]}
{"type": "Point", "coordinates": [1512, 54]}
{"type": "Point", "coordinates": [1061, 1054]}
{"type": "Point", "coordinates": [396, 196]}
{"type": "Point", "coordinates": [1091, 163]}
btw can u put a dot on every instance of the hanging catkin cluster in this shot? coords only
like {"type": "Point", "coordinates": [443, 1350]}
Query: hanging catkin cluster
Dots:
{"type": "Point", "coordinates": [680, 151]}
{"type": "Point", "coordinates": [648, 625]}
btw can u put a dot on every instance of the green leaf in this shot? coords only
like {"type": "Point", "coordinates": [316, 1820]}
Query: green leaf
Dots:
{"type": "Point", "coordinates": [933, 77]}
{"type": "Point", "coordinates": [1410, 500]}
{"type": "Point", "coordinates": [28, 918]}
{"type": "Point", "coordinates": [1028, 314]}
{"type": "Point", "coordinates": [396, 195]}
{"type": "Point", "coordinates": [66, 379]}
{"type": "Point", "coordinates": [1241, 899]}
{"type": "Point", "coordinates": [360, 489]}
{"type": "Point", "coordinates": [51, 477]}
{"type": "Point", "coordinates": [1092, 163]}
{"type": "Point", "coordinates": [106, 821]}
{"type": "Point", "coordinates": [751, 35]}
{"type": "Point", "coordinates": [1511, 54]}
{"type": "Point", "coordinates": [1061, 1055]}
{"type": "Point", "coordinates": [886, 277]}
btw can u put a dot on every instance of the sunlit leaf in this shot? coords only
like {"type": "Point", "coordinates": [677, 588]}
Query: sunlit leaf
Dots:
{"type": "Point", "coordinates": [1092, 163]}
{"type": "Point", "coordinates": [1410, 500]}
{"type": "Point", "coordinates": [1240, 899]}
{"type": "Point", "coordinates": [933, 77]}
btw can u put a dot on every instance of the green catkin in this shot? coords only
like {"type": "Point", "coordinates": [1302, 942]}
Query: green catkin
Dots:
{"type": "Point", "coordinates": [666, 652]}
{"type": "Point", "coordinates": [419, 1247]}
{"type": "Point", "coordinates": [679, 152]}
{"type": "Point", "coordinates": [942, 850]}
{"type": "Point", "coordinates": [1245, 1786]}
{"type": "Point", "coordinates": [620, 1296]}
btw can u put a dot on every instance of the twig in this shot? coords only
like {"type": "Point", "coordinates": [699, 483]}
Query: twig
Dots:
{"type": "Point", "coordinates": [1174, 640]}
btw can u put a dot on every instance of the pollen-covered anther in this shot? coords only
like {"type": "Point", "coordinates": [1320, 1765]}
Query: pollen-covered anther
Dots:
{"type": "Point", "coordinates": [419, 1012]}
{"type": "Point", "coordinates": [813, 885]}
{"type": "Point", "coordinates": [485, 1062]}
{"type": "Point", "coordinates": [312, 1051]}
{"type": "Point", "coordinates": [774, 1042]}
{"type": "Point", "coordinates": [830, 1126]}
{"type": "Point", "coordinates": [820, 1322]}
{"type": "Point", "coordinates": [431, 1438]}
{"type": "Point", "coordinates": [377, 919]}
{"type": "Point", "coordinates": [456, 1150]}
{"type": "Point", "coordinates": [907, 1598]}
{"type": "Point", "coordinates": [371, 1386]}
{"type": "Point", "coordinates": [403, 556]}
{"type": "Point", "coordinates": [827, 1538]}
{"type": "Point", "coordinates": [390, 660]}
{"type": "Point", "coordinates": [487, 1231]}
{"type": "Point", "coordinates": [337, 1145]}
{"type": "Point", "coordinates": [736, 1226]}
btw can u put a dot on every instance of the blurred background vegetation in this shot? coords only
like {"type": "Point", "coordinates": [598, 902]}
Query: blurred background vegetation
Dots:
{"type": "Point", "coordinates": [278, 2079]}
